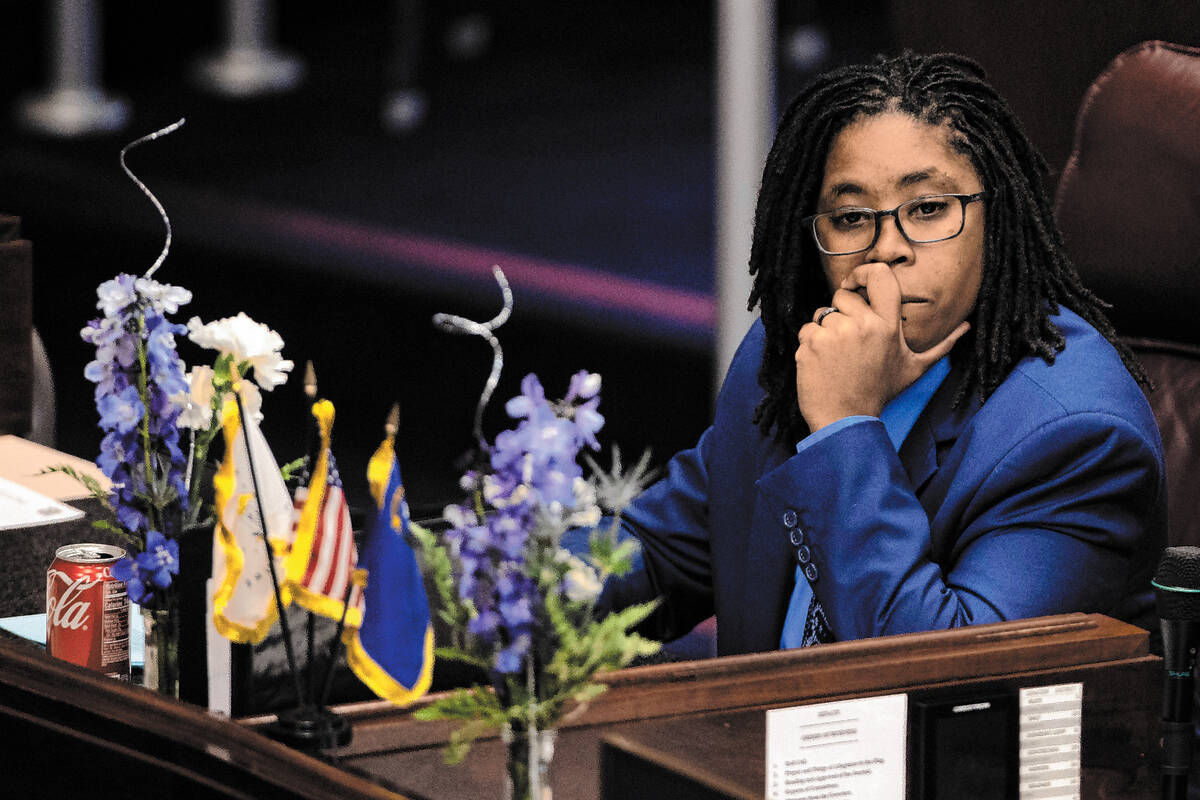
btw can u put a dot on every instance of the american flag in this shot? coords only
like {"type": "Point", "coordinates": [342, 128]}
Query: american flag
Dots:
{"type": "Point", "coordinates": [325, 567]}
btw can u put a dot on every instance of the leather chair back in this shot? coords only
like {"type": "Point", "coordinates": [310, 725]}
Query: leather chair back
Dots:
{"type": "Point", "coordinates": [1128, 204]}
{"type": "Point", "coordinates": [16, 327]}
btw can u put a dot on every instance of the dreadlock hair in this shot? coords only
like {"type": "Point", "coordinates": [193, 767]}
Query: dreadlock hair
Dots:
{"type": "Point", "coordinates": [1026, 272]}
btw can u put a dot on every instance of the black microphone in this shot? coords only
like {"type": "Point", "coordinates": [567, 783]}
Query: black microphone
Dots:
{"type": "Point", "coordinates": [1177, 591]}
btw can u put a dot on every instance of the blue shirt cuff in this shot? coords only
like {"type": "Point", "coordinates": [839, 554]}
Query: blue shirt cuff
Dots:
{"type": "Point", "coordinates": [831, 429]}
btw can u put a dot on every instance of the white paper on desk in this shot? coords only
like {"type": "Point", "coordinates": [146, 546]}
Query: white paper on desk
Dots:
{"type": "Point", "coordinates": [23, 462]}
{"type": "Point", "coordinates": [24, 508]}
{"type": "Point", "coordinates": [850, 749]}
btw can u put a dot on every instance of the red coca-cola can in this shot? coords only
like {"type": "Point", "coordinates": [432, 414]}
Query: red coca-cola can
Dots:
{"type": "Point", "coordinates": [87, 609]}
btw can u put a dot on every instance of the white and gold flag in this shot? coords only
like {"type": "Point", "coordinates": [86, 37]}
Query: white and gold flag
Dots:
{"type": "Point", "coordinates": [244, 606]}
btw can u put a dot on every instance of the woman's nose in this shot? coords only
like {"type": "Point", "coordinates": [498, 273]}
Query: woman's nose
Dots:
{"type": "Point", "coordinates": [891, 246]}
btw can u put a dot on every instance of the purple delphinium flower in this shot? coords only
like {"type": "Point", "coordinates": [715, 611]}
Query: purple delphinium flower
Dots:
{"type": "Point", "coordinates": [114, 451]}
{"type": "Point", "coordinates": [160, 560]}
{"type": "Point", "coordinates": [584, 386]}
{"type": "Point", "coordinates": [128, 570]}
{"type": "Point", "coordinates": [588, 421]}
{"type": "Point", "coordinates": [122, 411]}
{"type": "Point", "coordinates": [130, 517]}
{"type": "Point", "coordinates": [137, 372]}
{"type": "Point", "coordinates": [510, 659]}
{"type": "Point", "coordinates": [532, 397]}
{"type": "Point", "coordinates": [116, 294]}
{"type": "Point", "coordinates": [162, 297]}
{"type": "Point", "coordinates": [534, 470]}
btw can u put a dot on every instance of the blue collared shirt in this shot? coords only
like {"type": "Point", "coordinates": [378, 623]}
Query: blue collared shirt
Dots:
{"type": "Point", "coordinates": [898, 417]}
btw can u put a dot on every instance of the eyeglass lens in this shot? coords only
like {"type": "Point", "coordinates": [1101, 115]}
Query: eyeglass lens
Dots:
{"type": "Point", "coordinates": [923, 219]}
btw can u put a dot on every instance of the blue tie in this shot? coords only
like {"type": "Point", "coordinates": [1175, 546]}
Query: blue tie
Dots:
{"type": "Point", "coordinates": [816, 627]}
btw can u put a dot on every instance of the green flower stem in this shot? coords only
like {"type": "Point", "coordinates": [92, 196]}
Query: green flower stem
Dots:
{"type": "Point", "coordinates": [162, 640]}
{"type": "Point", "coordinates": [202, 441]}
{"type": "Point", "coordinates": [154, 510]}
{"type": "Point", "coordinates": [480, 511]}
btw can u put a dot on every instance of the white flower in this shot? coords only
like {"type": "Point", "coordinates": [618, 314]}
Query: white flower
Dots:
{"type": "Point", "coordinates": [585, 513]}
{"type": "Point", "coordinates": [247, 341]}
{"type": "Point", "coordinates": [494, 493]}
{"type": "Point", "coordinates": [588, 517]}
{"type": "Point", "coordinates": [197, 401]}
{"type": "Point", "coordinates": [585, 385]}
{"type": "Point", "coordinates": [163, 296]}
{"type": "Point", "coordinates": [457, 517]}
{"type": "Point", "coordinates": [581, 583]}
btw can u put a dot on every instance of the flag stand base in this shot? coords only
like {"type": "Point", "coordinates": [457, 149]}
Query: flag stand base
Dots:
{"type": "Point", "coordinates": [310, 728]}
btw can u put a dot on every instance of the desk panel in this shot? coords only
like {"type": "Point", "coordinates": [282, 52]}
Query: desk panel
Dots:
{"type": "Point", "coordinates": [707, 707]}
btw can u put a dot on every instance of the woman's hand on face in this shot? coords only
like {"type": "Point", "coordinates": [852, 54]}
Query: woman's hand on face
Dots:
{"type": "Point", "coordinates": [857, 360]}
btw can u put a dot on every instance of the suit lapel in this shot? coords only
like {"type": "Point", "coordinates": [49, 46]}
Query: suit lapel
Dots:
{"type": "Point", "coordinates": [935, 431]}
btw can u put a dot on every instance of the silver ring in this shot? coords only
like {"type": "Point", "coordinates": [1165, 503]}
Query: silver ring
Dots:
{"type": "Point", "coordinates": [823, 313]}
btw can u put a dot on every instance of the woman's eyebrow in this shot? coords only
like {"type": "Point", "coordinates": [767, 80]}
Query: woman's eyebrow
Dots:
{"type": "Point", "coordinates": [923, 175]}
{"type": "Point", "coordinates": [844, 188]}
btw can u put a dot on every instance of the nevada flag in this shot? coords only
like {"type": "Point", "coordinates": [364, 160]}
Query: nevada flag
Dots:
{"type": "Point", "coordinates": [392, 652]}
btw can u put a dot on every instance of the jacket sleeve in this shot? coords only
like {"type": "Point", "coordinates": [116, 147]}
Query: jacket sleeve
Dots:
{"type": "Point", "coordinates": [670, 520]}
{"type": "Point", "coordinates": [1043, 523]}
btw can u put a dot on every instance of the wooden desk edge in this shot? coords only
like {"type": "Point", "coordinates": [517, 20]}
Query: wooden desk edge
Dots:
{"type": "Point", "coordinates": [799, 676]}
{"type": "Point", "coordinates": [30, 669]}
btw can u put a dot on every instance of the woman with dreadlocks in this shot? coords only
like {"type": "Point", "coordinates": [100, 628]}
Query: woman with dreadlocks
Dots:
{"type": "Point", "coordinates": [933, 424]}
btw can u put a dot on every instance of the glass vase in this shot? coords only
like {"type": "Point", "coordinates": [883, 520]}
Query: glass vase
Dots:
{"type": "Point", "coordinates": [527, 756]}
{"type": "Point", "coordinates": [161, 625]}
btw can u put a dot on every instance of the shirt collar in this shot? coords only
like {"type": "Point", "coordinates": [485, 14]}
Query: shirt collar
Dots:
{"type": "Point", "coordinates": [902, 411]}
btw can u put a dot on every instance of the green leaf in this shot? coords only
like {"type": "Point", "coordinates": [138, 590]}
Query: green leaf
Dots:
{"type": "Point", "coordinates": [589, 693]}
{"type": "Point", "coordinates": [291, 468]}
{"type": "Point", "coordinates": [458, 654]}
{"type": "Point", "coordinates": [90, 483]}
{"type": "Point", "coordinates": [462, 739]}
{"type": "Point", "coordinates": [117, 530]}
{"type": "Point", "coordinates": [221, 374]}
{"type": "Point", "coordinates": [437, 564]}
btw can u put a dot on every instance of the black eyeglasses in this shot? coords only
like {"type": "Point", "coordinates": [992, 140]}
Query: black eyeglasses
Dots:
{"type": "Point", "coordinates": [931, 218]}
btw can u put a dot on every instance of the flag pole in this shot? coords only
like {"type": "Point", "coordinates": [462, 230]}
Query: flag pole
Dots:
{"type": "Point", "coordinates": [335, 649]}
{"type": "Point", "coordinates": [310, 458]}
{"type": "Point", "coordinates": [301, 697]}
{"type": "Point", "coordinates": [313, 437]}
{"type": "Point", "coordinates": [391, 428]}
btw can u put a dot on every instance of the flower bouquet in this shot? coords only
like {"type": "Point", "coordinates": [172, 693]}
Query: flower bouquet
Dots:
{"type": "Point", "coordinates": [521, 608]}
{"type": "Point", "coordinates": [158, 424]}
{"type": "Point", "coordinates": [159, 421]}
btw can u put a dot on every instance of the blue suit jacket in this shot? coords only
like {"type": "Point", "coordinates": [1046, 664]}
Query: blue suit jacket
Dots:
{"type": "Point", "coordinates": [1047, 498]}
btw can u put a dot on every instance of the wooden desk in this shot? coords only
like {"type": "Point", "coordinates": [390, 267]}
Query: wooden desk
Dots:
{"type": "Point", "coordinates": [54, 713]}
{"type": "Point", "coordinates": [723, 755]}
{"type": "Point", "coordinates": [710, 713]}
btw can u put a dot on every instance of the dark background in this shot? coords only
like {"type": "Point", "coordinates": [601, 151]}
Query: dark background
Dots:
{"type": "Point", "coordinates": [575, 150]}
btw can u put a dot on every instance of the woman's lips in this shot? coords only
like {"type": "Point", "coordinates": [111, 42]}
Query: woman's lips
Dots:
{"type": "Point", "coordinates": [909, 301]}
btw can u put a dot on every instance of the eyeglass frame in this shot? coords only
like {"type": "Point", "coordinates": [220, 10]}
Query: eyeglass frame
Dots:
{"type": "Point", "coordinates": [964, 201]}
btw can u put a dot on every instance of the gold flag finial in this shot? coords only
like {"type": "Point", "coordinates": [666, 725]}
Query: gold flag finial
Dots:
{"type": "Point", "coordinates": [392, 426]}
{"type": "Point", "coordinates": [310, 380]}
